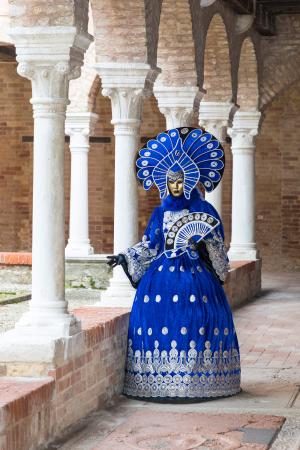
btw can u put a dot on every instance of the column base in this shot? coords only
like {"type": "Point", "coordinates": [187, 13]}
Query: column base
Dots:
{"type": "Point", "coordinates": [78, 249]}
{"type": "Point", "coordinates": [32, 349]}
{"type": "Point", "coordinates": [243, 252]}
{"type": "Point", "coordinates": [120, 293]}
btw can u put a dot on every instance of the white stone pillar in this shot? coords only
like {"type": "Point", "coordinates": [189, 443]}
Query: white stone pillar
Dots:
{"type": "Point", "coordinates": [214, 117]}
{"type": "Point", "coordinates": [124, 84]}
{"type": "Point", "coordinates": [49, 57]}
{"type": "Point", "coordinates": [79, 126]}
{"type": "Point", "coordinates": [244, 129]}
{"type": "Point", "coordinates": [179, 104]}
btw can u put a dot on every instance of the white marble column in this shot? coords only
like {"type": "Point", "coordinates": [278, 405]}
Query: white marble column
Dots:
{"type": "Point", "coordinates": [214, 117]}
{"type": "Point", "coordinates": [179, 104]}
{"type": "Point", "coordinates": [124, 84]}
{"type": "Point", "coordinates": [79, 126]}
{"type": "Point", "coordinates": [49, 57]}
{"type": "Point", "coordinates": [244, 129]}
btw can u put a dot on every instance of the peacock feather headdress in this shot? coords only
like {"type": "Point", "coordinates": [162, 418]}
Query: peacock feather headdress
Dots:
{"type": "Point", "coordinates": [194, 151]}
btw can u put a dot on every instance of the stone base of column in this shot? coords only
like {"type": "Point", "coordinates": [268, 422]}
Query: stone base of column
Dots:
{"type": "Point", "coordinates": [120, 293]}
{"type": "Point", "coordinates": [78, 248]}
{"type": "Point", "coordinates": [42, 347]}
{"type": "Point", "coordinates": [243, 252]}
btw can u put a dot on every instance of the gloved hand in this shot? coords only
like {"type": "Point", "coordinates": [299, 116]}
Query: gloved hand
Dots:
{"type": "Point", "coordinates": [115, 260]}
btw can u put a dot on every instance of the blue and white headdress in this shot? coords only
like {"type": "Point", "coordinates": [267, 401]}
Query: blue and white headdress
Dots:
{"type": "Point", "coordinates": [193, 151]}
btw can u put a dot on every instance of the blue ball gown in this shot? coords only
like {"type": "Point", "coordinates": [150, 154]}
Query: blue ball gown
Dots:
{"type": "Point", "coordinates": [181, 340]}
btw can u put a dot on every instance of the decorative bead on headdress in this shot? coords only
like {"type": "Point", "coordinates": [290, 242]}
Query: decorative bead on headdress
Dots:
{"type": "Point", "coordinates": [194, 152]}
{"type": "Point", "coordinates": [174, 176]}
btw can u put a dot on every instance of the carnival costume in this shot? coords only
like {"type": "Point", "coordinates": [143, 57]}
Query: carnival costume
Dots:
{"type": "Point", "coordinates": [181, 339]}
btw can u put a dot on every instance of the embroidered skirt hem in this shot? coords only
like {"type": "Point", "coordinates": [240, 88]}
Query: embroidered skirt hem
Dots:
{"type": "Point", "coordinates": [188, 388]}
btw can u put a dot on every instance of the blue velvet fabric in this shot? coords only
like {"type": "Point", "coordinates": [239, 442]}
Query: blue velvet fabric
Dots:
{"type": "Point", "coordinates": [181, 339]}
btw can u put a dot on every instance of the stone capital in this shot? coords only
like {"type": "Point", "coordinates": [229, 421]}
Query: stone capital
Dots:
{"type": "Point", "coordinates": [49, 57]}
{"type": "Point", "coordinates": [126, 84]}
{"type": "Point", "coordinates": [179, 104]}
{"type": "Point", "coordinates": [216, 112]}
{"type": "Point", "coordinates": [245, 128]}
{"type": "Point", "coordinates": [81, 123]}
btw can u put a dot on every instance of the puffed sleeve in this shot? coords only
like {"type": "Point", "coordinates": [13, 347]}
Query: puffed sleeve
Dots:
{"type": "Point", "coordinates": [216, 249]}
{"type": "Point", "coordinates": [139, 257]}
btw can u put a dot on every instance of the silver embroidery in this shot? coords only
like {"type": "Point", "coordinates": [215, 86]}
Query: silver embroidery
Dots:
{"type": "Point", "coordinates": [217, 254]}
{"type": "Point", "coordinates": [177, 374]}
{"type": "Point", "coordinates": [139, 257]}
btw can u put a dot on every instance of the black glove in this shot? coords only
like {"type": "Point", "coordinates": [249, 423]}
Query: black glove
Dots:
{"type": "Point", "coordinates": [115, 260]}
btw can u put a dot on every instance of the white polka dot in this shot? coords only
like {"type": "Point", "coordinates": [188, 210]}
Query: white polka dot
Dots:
{"type": "Point", "coordinates": [226, 331]}
{"type": "Point", "coordinates": [199, 269]}
{"type": "Point", "coordinates": [183, 330]}
{"type": "Point", "coordinates": [163, 139]}
{"type": "Point", "coordinates": [160, 268]}
{"type": "Point", "coordinates": [144, 163]}
{"type": "Point", "coordinates": [216, 331]}
{"type": "Point", "coordinates": [175, 298]}
{"type": "Point", "coordinates": [139, 331]}
{"type": "Point", "coordinates": [192, 270]}
{"type": "Point", "coordinates": [171, 268]}
{"type": "Point", "coordinates": [192, 298]}
{"type": "Point", "coordinates": [204, 298]}
{"type": "Point", "coordinates": [146, 299]}
{"type": "Point", "coordinates": [165, 330]}
{"type": "Point", "coordinates": [181, 269]}
{"type": "Point", "coordinates": [202, 331]}
{"type": "Point", "coordinates": [154, 145]}
{"type": "Point", "coordinates": [149, 331]}
{"type": "Point", "coordinates": [158, 298]}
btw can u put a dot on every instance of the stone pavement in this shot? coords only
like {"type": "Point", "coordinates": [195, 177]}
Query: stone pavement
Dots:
{"type": "Point", "coordinates": [268, 331]}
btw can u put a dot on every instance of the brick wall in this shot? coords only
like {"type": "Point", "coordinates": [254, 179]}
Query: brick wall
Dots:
{"type": "Point", "coordinates": [15, 159]}
{"type": "Point", "coordinates": [278, 188]}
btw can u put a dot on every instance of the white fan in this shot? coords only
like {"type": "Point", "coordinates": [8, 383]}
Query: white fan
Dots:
{"type": "Point", "coordinates": [194, 226]}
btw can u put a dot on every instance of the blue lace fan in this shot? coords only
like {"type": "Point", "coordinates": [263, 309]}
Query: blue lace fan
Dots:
{"type": "Point", "coordinates": [194, 151]}
{"type": "Point", "coordinates": [193, 226]}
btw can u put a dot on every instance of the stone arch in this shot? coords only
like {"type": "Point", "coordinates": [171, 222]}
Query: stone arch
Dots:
{"type": "Point", "coordinates": [281, 59]}
{"type": "Point", "coordinates": [131, 26]}
{"type": "Point", "coordinates": [217, 65]}
{"type": "Point", "coordinates": [176, 49]}
{"type": "Point", "coordinates": [248, 94]}
{"type": "Point", "coordinates": [83, 90]}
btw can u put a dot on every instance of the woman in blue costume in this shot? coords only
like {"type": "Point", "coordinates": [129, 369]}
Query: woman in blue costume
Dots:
{"type": "Point", "coordinates": [181, 340]}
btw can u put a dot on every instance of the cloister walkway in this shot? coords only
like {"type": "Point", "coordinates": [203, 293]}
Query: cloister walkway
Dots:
{"type": "Point", "coordinates": [266, 414]}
